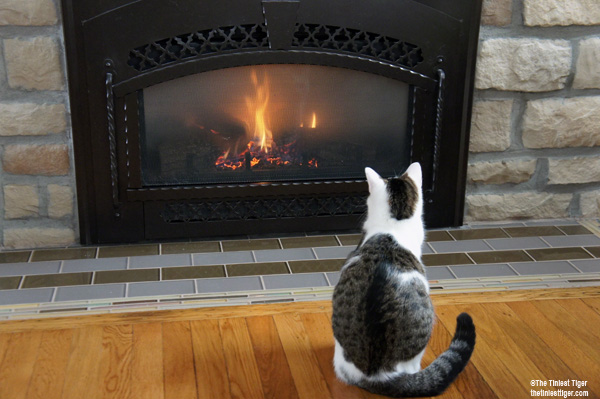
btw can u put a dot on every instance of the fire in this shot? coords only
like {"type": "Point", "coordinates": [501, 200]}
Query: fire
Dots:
{"type": "Point", "coordinates": [262, 151]}
{"type": "Point", "coordinates": [257, 106]}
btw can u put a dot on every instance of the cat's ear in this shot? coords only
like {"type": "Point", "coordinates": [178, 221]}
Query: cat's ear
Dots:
{"type": "Point", "coordinates": [415, 174]}
{"type": "Point", "coordinates": [375, 181]}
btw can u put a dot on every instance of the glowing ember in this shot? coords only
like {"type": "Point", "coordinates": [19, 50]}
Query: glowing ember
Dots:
{"type": "Point", "coordinates": [262, 152]}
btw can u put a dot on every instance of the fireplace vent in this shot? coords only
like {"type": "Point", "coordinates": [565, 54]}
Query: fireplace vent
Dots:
{"type": "Point", "coordinates": [357, 42]}
{"type": "Point", "coordinates": [201, 43]}
{"type": "Point", "coordinates": [271, 208]}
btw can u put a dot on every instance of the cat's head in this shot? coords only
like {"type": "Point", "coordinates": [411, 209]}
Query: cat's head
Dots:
{"type": "Point", "coordinates": [396, 198]}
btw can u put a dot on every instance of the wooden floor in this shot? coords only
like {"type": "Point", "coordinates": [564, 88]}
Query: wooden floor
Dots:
{"type": "Point", "coordinates": [285, 350]}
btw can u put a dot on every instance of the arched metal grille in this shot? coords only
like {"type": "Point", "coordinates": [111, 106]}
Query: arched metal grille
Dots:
{"type": "Point", "coordinates": [357, 42]}
{"type": "Point", "coordinates": [200, 43]}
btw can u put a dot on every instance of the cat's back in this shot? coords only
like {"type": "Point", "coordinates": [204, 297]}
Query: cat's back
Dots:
{"type": "Point", "coordinates": [382, 313]}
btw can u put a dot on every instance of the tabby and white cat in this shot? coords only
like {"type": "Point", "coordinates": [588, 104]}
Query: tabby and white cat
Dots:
{"type": "Point", "coordinates": [382, 313]}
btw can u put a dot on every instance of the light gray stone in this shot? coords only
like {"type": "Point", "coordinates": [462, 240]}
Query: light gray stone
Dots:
{"type": "Point", "coordinates": [33, 64]}
{"type": "Point", "coordinates": [590, 204]}
{"type": "Point", "coordinates": [574, 170]}
{"type": "Point", "coordinates": [523, 64]}
{"type": "Point", "coordinates": [27, 12]}
{"type": "Point", "coordinates": [561, 12]}
{"type": "Point", "coordinates": [525, 205]}
{"type": "Point", "coordinates": [491, 126]}
{"type": "Point", "coordinates": [496, 12]}
{"type": "Point", "coordinates": [587, 72]}
{"type": "Point", "coordinates": [20, 201]}
{"type": "Point", "coordinates": [501, 172]}
{"type": "Point", "coordinates": [26, 119]}
{"type": "Point", "coordinates": [60, 201]}
{"type": "Point", "coordinates": [37, 237]}
{"type": "Point", "coordinates": [557, 123]}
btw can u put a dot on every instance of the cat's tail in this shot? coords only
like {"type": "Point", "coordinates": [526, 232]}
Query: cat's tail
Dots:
{"type": "Point", "coordinates": [434, 379]}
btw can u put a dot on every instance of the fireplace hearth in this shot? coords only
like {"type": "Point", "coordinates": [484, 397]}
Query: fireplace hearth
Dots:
{"type": "Point", "coordinates": [213, 118]}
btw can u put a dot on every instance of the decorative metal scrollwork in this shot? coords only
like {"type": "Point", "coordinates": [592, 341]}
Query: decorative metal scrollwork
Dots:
{"type": "Point", "coordinates": [201, 43]}
{"type": "Point", "coordinates": [112, 139]}
{"type": "Point", "coordinates": [357, 41]}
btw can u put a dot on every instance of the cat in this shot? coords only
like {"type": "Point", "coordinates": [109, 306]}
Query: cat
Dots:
{"type": "Point", "coordinates": [382, 313]}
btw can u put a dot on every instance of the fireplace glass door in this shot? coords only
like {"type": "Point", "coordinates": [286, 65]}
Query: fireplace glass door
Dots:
{"type": "Point", "coordinates": [270, 123]}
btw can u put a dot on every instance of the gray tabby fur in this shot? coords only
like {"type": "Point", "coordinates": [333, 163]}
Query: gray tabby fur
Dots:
{"type": "Point", "coordinates": [382, 313]}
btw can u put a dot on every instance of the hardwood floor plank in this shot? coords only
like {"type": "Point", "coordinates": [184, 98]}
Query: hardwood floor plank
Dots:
{"type": "Point", "coordinates": [51, 365]}
{"type": "Point", "coordinates": [530, 343]}
{"type": "Point", "coordinates": [578, 332]}
{"type": "Point", "coordinates": [244, 377]}
{"type": "Point", "coordinates": [275, 374]}
{"type": "Point", "coordinates": [209, 360]}
{"type": "Point", "coordinates": [17, 368]}
{"type": "Point", "coordinates": [498, 376]}
{"type": "Point", "coordinates": [320, 335]}
{"type": "Point", "coordinates": [578, 309]}
{"type": "Point", "coordinates": [147, 373]}
{"type": "Point", "coordinates": [81, 377]}
{"type": "Point", "coordinates": [438, 343]}
{"type": "Point", "coordinates": [593, 303]}
{"type": "Point", "coordinates": [4, 339]}
{"type": "Point", "coordinates": [303, 363]}
{"type": "Point", "coordinates": [507, 350]}
{"type": "Point", "coordinates": [469, 383]}
{"type": "Point", "coordinates": [115, 362]}
{"type": "Point", "coordinates": [178, 361]}
{"type": "Point", "coordinates": [438, 298]}
{"type": "Point", "coordinates": [571, 354]}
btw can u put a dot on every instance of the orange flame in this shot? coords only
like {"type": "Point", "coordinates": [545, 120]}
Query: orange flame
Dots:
{"type": "Point", "coordinates": [313, 124]}
{"type": "Point", "coordinates": [257, 107]}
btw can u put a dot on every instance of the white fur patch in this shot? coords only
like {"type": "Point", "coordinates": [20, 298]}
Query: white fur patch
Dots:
{"type": "Point", "coordinates": [407, 277]}
{"type": "Point", "coordinates": [346, 371]}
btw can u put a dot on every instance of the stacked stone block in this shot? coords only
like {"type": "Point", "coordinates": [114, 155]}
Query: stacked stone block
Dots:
{"type": "Point", "coordinates": [535, 135]}
{"type": "Point", "coordinates": [36, 169]}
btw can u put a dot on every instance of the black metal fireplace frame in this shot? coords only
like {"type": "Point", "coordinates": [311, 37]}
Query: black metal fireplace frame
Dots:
{"type": "Point", "coordinates": [117, 48]}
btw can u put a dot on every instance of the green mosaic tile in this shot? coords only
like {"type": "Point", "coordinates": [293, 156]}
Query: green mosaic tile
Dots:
{"type": "Point", "coordinates": [313, 266]}
{"type": "Point", "coordinates": [14, 257]}
{"type": "Point", "coordinates": [438, 235]}
{"type": "Point", "coordinates": [594, 251]}
{"type": "Point", "coordinates": [574, 230]}
{"type": "Point", "coordinates": [63, 254]}
{"type": "Point", "coordinates": [250, 245]}
{"type": "Point", "coordinates": [350, 239]}
{"type": "Point", "coordinates": [309, 242]}
{"type": "Point", "coordinates": [127, 250]}
{"type": "Point", "coordinates": [446, 259]}
{"type": "Point", "coordinates": [57, 280]}
{"type": "Point", "coordinates": [257, 269]}
{"type": "Point", "coordinates": [499, 256]}
{"type": "Point", "coordinates": [558, 253]}
{"type": "Point", "coordinates": [9, 283]}
{"type": "Point", "coordinates": [190, 247]}
{"type": "Point", "coordinates": [478, 234]}
{"type": "Point", "coordinates": [533, 231]}
{"type": "Point", "coordinates": [126, 276]}
{"type": "Point", "coordinates": [193, 272]}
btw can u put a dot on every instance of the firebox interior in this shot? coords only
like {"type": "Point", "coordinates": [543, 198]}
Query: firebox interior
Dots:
{"type": "Point", "coordinates": [279, 122]}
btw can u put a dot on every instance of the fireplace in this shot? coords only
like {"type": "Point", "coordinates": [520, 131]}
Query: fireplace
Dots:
{"type": "Point", "coordinates": [213, 118]}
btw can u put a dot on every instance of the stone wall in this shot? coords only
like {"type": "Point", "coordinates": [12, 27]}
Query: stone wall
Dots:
{"type": "Point", "coordinates": [535, 135]}
{"type": "Point", "coordinates": [37, 178]}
